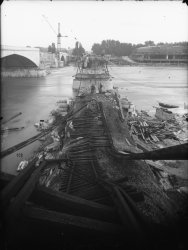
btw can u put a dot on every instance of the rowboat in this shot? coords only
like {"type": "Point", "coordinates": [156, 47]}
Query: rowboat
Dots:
{"type": "Point", "coordinates": [169, 106]}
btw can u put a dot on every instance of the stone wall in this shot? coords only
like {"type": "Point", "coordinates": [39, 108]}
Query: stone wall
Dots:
{"type": "Point", "coordinates": [48, 60]}
{"type": "Point", "coordinates": [23, 73]}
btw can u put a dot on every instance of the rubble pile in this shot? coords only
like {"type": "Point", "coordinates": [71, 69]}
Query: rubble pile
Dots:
{"type": "Point", "coordinates": [51, 143]}
{"type": "Point", "coordinates": [152, 130]}
{"type": "Point", "coordinates": [52, 177]}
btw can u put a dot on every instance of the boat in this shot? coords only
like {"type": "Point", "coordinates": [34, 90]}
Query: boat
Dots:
{"type": "Point", "coordinates": [168, 106]}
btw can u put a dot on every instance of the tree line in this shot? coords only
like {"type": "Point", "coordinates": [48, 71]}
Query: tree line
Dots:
{"type": "Point", "coordinates": [116, 48]}
{"type": "Point", "coordinates": [112, 47]}
{"type": "Point", "coordinates": [77, 51]}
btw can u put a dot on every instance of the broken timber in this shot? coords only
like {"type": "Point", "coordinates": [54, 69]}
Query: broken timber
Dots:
{"type": "Point", "coordinates": [63, 202]}
{"type": "Point", "coordinates": [70, 222]}
{"type": "Point", "coordinates": [36, 137]}
{"type": "Point", "coordinates": [16, 183]}
{"type": "Point", "coordinates": [11, 118]}
{"type": "Point", "coordinates": [25, 192]}
{"type": "Point", "coordinates": [178, 152]}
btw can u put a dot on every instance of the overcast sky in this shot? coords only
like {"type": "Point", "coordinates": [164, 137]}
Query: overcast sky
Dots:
{"type": "Point", "coordinates": [22, 23]}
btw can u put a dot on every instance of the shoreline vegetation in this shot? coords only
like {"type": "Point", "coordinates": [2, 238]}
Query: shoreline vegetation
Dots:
{"type": "Point", "coordinates": [117, 48]}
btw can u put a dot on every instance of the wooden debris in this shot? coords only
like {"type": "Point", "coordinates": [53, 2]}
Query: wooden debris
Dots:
{"type": "Point", "coordinates": [12, 118]}
{"type": "Point", "coordinates": [11, 129]}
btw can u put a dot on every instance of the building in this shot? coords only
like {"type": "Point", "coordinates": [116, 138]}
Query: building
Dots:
{"type": "Point", "coordinates": [161, 54]}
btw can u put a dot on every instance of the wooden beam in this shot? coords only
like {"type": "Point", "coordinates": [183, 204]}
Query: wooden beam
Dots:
{"type": "Point", "coordinates": [5, 178]}
{"type": "Point", "coordinates": [69, 222]}
{"type": "Point", "coordinates": [56, 160]}
{"type": "Point", "coordinates": [11, 189]}
{"type": "Point", "coordinates": [63, 202]}
{"type": "Point", "coordinates": [11, 118]}
{"type": "Point", "coordinates": [25, 192]}
{"type": "Point", "coordinates": [178, 152]}
{"type": "Point", "coordinates": [125, 210]}
{"type": "Point", "coordinates": [130, 215]}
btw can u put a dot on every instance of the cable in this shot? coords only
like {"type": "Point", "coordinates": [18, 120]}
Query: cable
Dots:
{"type": "Point", "coordinates": [49, 24]}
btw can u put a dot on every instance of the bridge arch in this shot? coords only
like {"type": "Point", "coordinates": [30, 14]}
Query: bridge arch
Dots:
{"type": "Point", "coordinates": [17, 61]}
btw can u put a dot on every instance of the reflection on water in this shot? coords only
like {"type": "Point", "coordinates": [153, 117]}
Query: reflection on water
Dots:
{"type": "Point", "coordinates": [36, 97]}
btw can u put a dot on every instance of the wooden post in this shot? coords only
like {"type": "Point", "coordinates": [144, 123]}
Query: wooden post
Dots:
{"type": "Point", "coordinates": [16, 183]}
{"type": "Point", "coordinates": [25, 192]}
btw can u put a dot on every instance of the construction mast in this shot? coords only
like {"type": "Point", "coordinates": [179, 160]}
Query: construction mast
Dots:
{"type": "Point", "coordinates": [58, 39]}
{"type": "Point", "coordinates": [58, 44]}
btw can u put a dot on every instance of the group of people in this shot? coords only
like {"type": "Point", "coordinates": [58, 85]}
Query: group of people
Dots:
{"type": "Point", "coordinates": [100, 89]}
{"type": "Point", "coordinates": [87, 62]}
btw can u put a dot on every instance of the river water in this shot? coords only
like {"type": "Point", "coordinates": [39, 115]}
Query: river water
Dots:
{"type": "Point", "coordinates": [36, 97]}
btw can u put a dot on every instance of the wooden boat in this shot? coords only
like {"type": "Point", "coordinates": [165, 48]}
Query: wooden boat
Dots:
{"type": "Point", "coordinates": [168, 106]}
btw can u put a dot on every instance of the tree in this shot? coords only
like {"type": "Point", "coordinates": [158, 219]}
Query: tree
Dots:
{"type": "Point", "coordinates": [115, 48]}
{"type": "Point", "coordinates": [149, 43]}
{"type": "Point", "coordinates": [49, 48]}
{"type": "Point", "coordinates": [52, 48]}
{"type": "Point", "coordinates": [96, 48]}
{"type": "Point", "coordinates": [112, 47]}
{"type": "Point", "coordinates": [78, 50]}
{"type": "Point", "coordinates": [160, 43]}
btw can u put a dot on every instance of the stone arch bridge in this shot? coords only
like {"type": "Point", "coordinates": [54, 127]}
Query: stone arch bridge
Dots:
{"type": "Point", "coordinates": [19, 57]}
{"type": "Point", "coordinates": [27, 57]}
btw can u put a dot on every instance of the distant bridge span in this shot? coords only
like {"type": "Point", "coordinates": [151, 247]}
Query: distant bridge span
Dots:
{"type": "Point", "coordinates": [13, 56]}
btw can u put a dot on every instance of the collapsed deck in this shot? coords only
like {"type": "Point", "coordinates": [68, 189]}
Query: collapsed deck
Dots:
{"type": "Point", "coordinates": [92, 188]}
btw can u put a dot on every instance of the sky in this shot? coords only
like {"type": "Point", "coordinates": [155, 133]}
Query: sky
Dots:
{"type": "Point", "coordinates": [23, 23]}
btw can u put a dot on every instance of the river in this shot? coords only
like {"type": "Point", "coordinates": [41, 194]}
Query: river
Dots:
{"type": "Point", "coordinates": [37, 97]}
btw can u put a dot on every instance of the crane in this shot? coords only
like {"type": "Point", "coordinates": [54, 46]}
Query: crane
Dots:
{"type": "Point", "coordinates": [57, 34]}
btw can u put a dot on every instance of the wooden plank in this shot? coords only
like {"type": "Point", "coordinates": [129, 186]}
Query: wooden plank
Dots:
{"type": "Point", "coordinates": [70, 222]}
{"type": "Point", "coordinates": [26, 191]}
{"type": "Point", "coordinates": [16, 183]}
{"type": "Point", "coordinates": [130, 215]}
{"type": "Point", "coordinates": [5, 178]}
{"type": "Point", "coordinates": [23, 144]}
{"type": "Point", "coordinates": [155, 165]}
{"type": "Point", "coordinates": [30, 140]}
{"type": "Point", "coordinates": [58, 161]}
{"type": "Point", "coordinates": [63, 202]}
{"type": "Point", "coordinates": [178, 152]}
{"type": "Point", "coordinates": [125, 211]}
{"type": "Point", "coordinates": [11, 129]}
{"type": "Point", "coordinates": [11, 118]}
{"type": "Point", "coordinates": [141, 144]}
